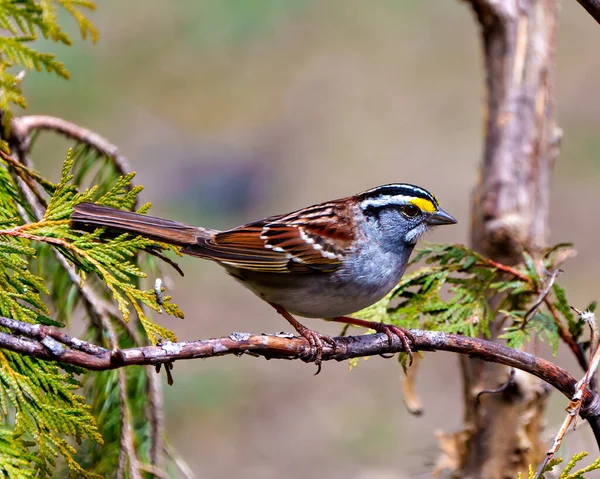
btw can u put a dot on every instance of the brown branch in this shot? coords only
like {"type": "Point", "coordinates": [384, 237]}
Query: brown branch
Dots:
{"type": "Point", "coordinates": [509, 269]}
{"type": "Point", "coordinates": [25, 125]}
{"type": "Point", "coordinates": [592, 7]}
{"type": "Point", "coordinates": [46, 343]}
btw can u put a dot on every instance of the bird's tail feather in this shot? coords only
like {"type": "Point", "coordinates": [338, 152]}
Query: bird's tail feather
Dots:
{"type": "Point", "coordinates": [158, 229]}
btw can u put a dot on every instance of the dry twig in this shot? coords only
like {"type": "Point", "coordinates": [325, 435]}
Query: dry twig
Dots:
{"type": "Point", "coordinates": [25, 125]}
{"type": "Point", "coordinates": [574, 407]}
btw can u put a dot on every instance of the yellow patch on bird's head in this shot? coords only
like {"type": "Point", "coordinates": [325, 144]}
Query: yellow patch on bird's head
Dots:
{"type": "Point", "coordinates": [424, 204]}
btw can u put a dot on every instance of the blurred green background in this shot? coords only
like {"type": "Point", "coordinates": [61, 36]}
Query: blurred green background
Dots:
{"type": "Point", "coordinates": [231, 110]}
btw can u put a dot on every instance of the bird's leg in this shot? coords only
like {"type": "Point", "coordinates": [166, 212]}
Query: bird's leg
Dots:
{"type": "Point", "coordinates": [389, 329]}
{"type": "Point", "coordinates": [315, 339]}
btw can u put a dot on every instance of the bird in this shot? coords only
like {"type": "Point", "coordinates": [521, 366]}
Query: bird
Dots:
{"type": "Point", "coordinates": [327, 260]}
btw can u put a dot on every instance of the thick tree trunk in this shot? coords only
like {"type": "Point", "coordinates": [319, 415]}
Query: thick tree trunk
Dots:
{"type": "Point", "coordinates": [510, 215]}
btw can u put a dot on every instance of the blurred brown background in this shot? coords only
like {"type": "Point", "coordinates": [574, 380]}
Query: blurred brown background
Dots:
{"type": "Point", "coordinates": [234, 110]}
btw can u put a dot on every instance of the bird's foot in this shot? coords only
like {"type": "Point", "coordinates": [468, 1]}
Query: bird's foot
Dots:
{"type": "Point", "coordinates": [404, 334]}
{"type": "Point", "coordinates": [315, 340]}
{"type": "Point", "coordinates": [389, 329]}
{"type": "Point", "coordinates": [317, 343]}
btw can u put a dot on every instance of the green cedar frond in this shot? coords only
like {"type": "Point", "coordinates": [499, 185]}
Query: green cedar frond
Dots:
{"type": "Point", "coordinates": [452, 292]}
{"type": "Point", "coordinates": [73, 7]}
{"type": "Point", "coordinates": [110, 259]}
{"type": "Point", "coordinates": [562, 305]}
{"type": "Point", "coordinates": [46, 408]}
{"type": "Point", "coordinates": [28, 18]}
{"type": "Point", "coordinates": [551, 464]}
{"type": "Point", "coordinates": [102, 389]}
{"type": "Point", "coordinates": [594, 466]}
{"type": "Point", "coordinates": [103, 396]}
{"type": "Point", "coordinates": [17, 52]}
{"type": "Point", "coordinates": [38, 395]}
{"type": "Point", "coordinates": [34, 442]}
{"type": "Point", "coordinates": [566, 472]}
{"type": "Point", "coordinates": [38, 399]}
{"type": "Point", "coordinates": [16, 459]}
{"type": "Point", "coordinates": [540, 326]}
{"type": "Point", "coordinates": [21, 22]}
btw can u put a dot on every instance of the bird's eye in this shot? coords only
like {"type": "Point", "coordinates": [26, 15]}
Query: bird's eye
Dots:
{"type": "Point", "coordinates": [410, 211]}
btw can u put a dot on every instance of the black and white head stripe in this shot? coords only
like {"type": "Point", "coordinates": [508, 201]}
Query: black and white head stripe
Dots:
{"type": "Point", "coordinates": [398, 194]}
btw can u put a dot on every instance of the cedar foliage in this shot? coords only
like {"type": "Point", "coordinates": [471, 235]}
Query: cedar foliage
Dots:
{"type": "Point", "coordinates": [22, 21]}
{"type": "Point", "coordinates": [566, 473]}
{"type": "Point", "coordinates": [452, 292]}
{"type": "Point", "coordinates": [49, 426]}
{"type": "Point", "coordinates": [40, 405]}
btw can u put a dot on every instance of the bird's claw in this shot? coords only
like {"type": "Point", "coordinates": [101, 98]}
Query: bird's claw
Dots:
{"type": "Point", "coordinates": [317, 343]}
{"type": "Point", "coordinates": [405, 336]}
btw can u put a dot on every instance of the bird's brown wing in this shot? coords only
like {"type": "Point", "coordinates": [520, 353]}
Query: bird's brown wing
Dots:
{"type": "Point", "coordinates": [308, 240]}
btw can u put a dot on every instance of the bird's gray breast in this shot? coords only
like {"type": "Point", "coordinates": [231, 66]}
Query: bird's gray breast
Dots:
{"type": "Point", "coordinates": [362, 280]}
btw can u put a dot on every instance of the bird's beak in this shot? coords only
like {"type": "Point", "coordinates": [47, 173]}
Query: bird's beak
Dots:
{"type": "Point", "coordinates": [440, 217]}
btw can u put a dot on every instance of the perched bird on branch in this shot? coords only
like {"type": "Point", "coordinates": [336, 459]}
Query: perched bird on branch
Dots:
{"type": "Point", "coordinates": [324, 261]}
